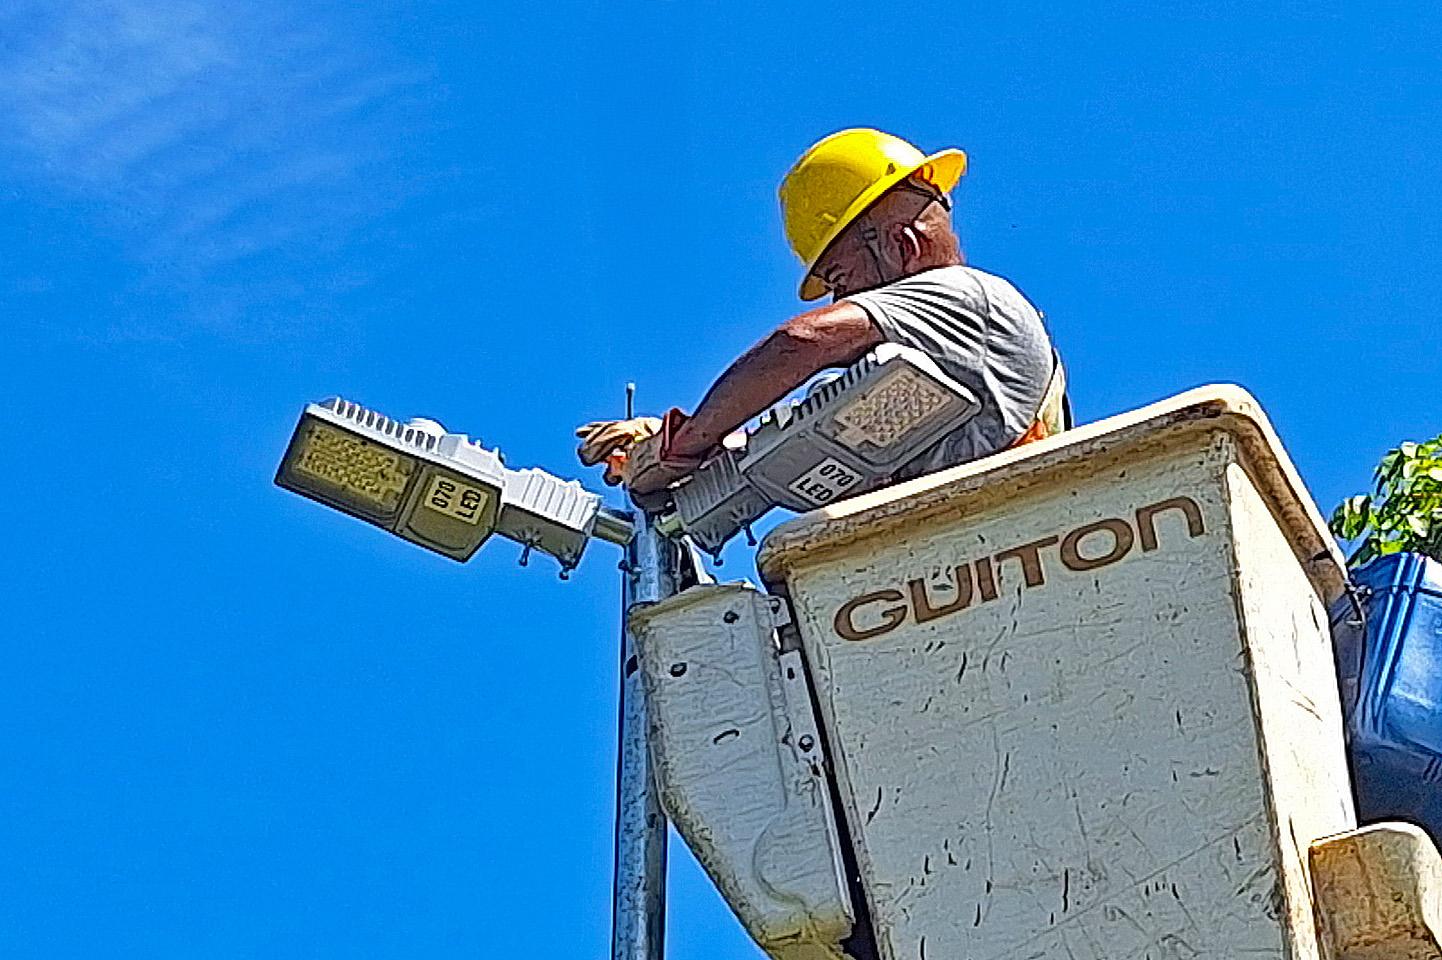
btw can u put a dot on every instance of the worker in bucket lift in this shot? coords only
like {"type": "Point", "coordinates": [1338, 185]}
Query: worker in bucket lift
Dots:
{"type": "Point", "coordinates": [870, 217]}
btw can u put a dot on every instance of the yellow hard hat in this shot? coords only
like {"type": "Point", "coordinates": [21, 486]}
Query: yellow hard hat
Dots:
{"type": "Point", "coordinates": [839, 177]}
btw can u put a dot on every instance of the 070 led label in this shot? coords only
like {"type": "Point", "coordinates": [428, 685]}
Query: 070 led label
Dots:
{"type": "Point", "coordinates": [455, 499]}
{"type": "Point", "coordinates": [825, 482]}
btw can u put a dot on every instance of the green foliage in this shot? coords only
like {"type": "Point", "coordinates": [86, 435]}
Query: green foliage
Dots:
{"type": "Point", "coordinates": [1404, 510]}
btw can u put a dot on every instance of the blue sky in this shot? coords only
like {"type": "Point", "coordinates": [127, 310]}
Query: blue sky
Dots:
{"type": "Point", "coordinates": [238, 725]}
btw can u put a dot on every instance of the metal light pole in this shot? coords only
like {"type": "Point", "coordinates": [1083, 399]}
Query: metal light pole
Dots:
{"type": "Point", "coordinates": [638, 929]}
{"type": "Point", "coordinates": [639, 897]}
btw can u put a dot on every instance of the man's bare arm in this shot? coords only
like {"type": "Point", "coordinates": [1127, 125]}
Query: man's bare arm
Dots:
{"type": "Point", "coordinates": [829, 336]}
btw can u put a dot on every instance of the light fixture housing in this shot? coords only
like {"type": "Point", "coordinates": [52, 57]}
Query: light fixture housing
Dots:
{"type": "Point", "coordinates": [442, 491]}
{"type": "Point", "coordinates": [851, 432]}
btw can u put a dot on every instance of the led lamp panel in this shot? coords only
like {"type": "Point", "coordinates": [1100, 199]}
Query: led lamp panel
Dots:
{"type": "Point", "coordinates": [884, 415]}
{"type": "Point", "coordinates": [348, 471]}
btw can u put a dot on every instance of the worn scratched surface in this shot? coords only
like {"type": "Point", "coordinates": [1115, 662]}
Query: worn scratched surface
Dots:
{"type": "Point", "coordinates": [1290, 650]}
{"type": "Point", "coordinates": [1085, 768]}
{"type": "Point", "coordinates": [747, 798]}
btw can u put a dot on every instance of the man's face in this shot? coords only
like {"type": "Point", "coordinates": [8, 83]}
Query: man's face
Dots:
{"type": "Point", "coordinates": [874, 249]}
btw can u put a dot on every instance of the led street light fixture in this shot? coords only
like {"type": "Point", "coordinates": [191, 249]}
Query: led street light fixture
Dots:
{"type": "Point", "coordinates": [439, 490]}
{"type": "Point", "coordinates": [850, 433]}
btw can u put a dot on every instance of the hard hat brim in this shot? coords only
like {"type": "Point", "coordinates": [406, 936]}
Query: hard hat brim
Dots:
{"type": "Point", "coordinates": [942, 170]}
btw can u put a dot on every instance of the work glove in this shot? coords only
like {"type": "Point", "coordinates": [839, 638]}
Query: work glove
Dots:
{"type": "Point", "coordinates": [637, 452]}
{"type": "Point", "coordinates": [611, 440]}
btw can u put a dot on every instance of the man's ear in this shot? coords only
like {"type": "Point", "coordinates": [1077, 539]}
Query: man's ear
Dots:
{"type": "Point", "coordinates": [911, 242]}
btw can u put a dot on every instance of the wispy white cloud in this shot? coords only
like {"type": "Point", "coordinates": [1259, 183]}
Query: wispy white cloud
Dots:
{"type": "Point", "coordinates": [210, 134]}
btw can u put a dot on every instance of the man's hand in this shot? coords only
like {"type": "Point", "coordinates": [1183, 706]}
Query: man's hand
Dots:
{"type": "Point", "coordinates": [611, 441]}
{"type": "Point", "coordinates": [650, 466]}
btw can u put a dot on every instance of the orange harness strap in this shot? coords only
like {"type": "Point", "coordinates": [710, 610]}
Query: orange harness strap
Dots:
{"type": "Point", "coordinates": [1038, 431]}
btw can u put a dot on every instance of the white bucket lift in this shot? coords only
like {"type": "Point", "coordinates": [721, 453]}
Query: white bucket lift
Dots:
{"type": "Point", "coordinates": [1077, 699]}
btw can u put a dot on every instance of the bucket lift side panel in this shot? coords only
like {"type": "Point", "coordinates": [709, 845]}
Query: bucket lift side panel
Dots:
{"type": "Point", "coordinates": [1046, 727]}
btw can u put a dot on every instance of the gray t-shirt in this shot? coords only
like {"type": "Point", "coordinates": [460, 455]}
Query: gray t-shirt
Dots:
{"type": "Point", "coordinates": [981, 331]}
